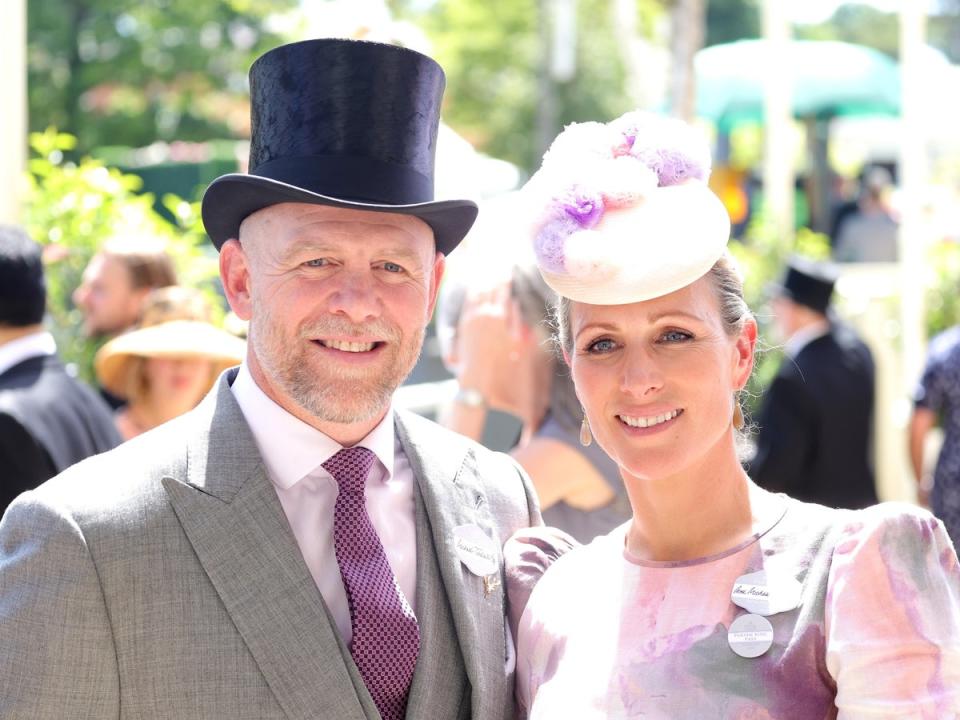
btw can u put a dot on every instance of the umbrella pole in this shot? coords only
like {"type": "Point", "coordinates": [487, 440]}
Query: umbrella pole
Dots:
{"type": "Point", "coordinates": [818, 186]}
{"type": "Point", "coordinates": [914, 229]}
{"type": "Point", "coordinates": [778, 188]}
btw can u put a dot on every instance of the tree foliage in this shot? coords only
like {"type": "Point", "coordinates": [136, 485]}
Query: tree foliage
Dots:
{"type": "Point", "coordinates": [730, 20]}
{"type": "Point", "coordinates": [495, 56]}
{"type": "Point", "coordinates": [120, 73]}
{"type": "Point", "coordinates": [865, 25]}
{"type": "Point", "coordinates": [73, 208]}
{"type": "Point", "coordinates": [858, 24]}
{"type": "Point", "coordinates": [941, 277]}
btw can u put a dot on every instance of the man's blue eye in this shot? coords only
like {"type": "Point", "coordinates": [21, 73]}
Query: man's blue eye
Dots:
{"type": "Point", "coordinates": [392, 267]}
{"type": "Point", "coordinates": [316, 262]}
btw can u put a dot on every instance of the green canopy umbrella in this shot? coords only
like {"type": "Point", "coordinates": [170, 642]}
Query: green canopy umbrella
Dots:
{"type": "Point", "coordinates": [828, 79]}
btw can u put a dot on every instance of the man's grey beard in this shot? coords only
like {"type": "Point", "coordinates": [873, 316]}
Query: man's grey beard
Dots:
{"type": "Point", "coordinates": [330, 400]}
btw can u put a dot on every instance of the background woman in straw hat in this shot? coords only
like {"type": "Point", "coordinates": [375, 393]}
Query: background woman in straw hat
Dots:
{"type": "Point", "coordinates": [717, 599]}
{"type": "Point", "coordinates": [165, 366]}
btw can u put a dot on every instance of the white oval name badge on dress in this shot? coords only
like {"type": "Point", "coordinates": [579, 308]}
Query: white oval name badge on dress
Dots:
{"type": "Point", "coordinates": [766, 594]}
{"type": "Point", "coordinates": [476, 550]}
{"type": "Point", "coordinates": [750, 636]}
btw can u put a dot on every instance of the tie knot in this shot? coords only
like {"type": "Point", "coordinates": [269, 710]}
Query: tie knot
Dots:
{"type": "Point", "coordinates": [350, 468]}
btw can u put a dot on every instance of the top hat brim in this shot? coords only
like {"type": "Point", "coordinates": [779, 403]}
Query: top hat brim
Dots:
{"type": "Point", "coordinates": [231, 198]}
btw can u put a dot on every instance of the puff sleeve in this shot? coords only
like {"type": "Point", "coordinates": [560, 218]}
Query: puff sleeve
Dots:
{"type": "Point", "coordinates": [893, 616]}
{"type": "Point", "coordinates": [526, 556]}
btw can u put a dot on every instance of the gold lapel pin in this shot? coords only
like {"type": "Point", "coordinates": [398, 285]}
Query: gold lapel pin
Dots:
{"type": "Point", "coordinates": [490, 583]}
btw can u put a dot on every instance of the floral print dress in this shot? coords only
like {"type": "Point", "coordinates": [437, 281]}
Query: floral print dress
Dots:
{"type": "Point", "coordinates": [875, 631]}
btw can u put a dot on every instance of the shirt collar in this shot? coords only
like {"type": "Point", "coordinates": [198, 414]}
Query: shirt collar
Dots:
{"type": "Point", "coordinates": [23, 348]}
{"type": "Point", "coordinates": [804, 336]}
{"type": "Point", "coordinates": [291, 449]}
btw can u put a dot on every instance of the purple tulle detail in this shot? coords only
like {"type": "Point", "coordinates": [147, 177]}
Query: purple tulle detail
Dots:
{"type": "Point", "coordinates": [674, 150]}
{"type": "Point", "coordinates": [583, 206]}
{"type": "Point", "coordinates": [672, 166]}
{"type": "Point", "coordinates": [550, 240]}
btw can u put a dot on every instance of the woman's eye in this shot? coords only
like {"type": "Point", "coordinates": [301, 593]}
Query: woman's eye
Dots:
{"type": "Point", "coordinates": [316, 262]}
{"type": "Point", "coordinates": [672, 336]}
{"type": "Point", "coordinates": [601, 346]}
{"type": "Point", "coordinates": [392, 267]}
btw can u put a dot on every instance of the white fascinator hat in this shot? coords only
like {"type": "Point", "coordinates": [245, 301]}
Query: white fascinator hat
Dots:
{"type": "Point", "coordinates": [621, 212]}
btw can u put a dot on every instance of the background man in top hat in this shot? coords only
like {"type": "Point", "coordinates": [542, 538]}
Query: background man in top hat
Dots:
{"type": "Point", "coordinates": [815, 421]}
{"type": "Point", "coordinates": [292, 548]}
{"type": "Point", "coordinates": [48, 419]}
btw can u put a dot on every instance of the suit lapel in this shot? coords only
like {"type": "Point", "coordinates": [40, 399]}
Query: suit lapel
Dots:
{"type": "Point", "coordinates": [453, 496]}
{"type": "Point", "coordinates": [236, 525]}
{"type": "Point", "coordinates": [439, 680]}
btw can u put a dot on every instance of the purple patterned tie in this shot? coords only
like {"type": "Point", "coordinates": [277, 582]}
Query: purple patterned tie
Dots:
{"type": "Point", "coordinates": [386, 639]}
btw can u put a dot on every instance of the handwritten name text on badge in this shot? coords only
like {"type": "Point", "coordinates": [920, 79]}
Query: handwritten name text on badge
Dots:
{"type": "Point", "coordinates": [766, 594]}
{"type": "Point", "coordinates": [476, 550]}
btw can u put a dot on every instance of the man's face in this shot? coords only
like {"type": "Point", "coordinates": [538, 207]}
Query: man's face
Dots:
{"type": "Point", "coordinates": [107, 298]}
{"type": "Point", "coordinates": [338, 301]}
{"type": "Point", "coordinates": [784, 318]}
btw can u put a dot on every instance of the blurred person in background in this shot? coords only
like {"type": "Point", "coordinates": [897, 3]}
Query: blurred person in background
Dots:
{"type": "Point", "coordinates": [816, 417]}
{"type": "Point", "coordinates": [48, 419]}
{"type": "Point", "coordinates": [869, 232]}
{"type": "Point", "coordinates": [937, 402]}
{"type": "Point", "coordinates": [115, 283]}
{"type": "Point", "coordinates": [496, 342]}
{"type": "Point", "coordinates": [165, 366]}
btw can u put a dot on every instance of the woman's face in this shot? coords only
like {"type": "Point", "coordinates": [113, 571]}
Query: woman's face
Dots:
{"type": "Point", "coordinates": [186, 378]}
{"type": "Point", "coordinates": [657, 378]}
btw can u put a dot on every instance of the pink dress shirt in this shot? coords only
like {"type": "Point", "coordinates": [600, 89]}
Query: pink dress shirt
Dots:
{"type": "Point", "coordinates": [292, 453]}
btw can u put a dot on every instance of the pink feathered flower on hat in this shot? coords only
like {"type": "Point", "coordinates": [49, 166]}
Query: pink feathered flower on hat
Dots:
{"type": "Point", "coordinates": [670, 147]}
{"type": "Point", "coordinates": [584, 205]}
{"type": "Point", "coordinates": [593, 167]}
{"type": "Point", "coordinates": [623, 212]}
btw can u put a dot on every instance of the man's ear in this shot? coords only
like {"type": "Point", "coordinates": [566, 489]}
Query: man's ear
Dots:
{"type": "Point", "coordinates": [436, 276]}
{"type": "Point", "coordinates": [235, 276]}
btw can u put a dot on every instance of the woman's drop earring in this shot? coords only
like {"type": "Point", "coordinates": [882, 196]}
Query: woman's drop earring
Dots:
{"type": "Point", "coordinates": [737, 414]}
{"type": "Point", "coordinates": [585, 436]}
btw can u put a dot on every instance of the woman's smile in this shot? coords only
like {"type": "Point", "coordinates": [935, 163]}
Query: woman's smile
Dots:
{"type": "Point", "coordinates": [650, 422]}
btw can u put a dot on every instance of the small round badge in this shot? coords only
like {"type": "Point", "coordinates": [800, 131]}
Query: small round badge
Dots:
{"type": "Point", "coordinates": [750, 635]}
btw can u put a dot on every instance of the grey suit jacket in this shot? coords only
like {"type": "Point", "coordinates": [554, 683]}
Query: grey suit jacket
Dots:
{"type": "Point", "coordinates": [161, 580]}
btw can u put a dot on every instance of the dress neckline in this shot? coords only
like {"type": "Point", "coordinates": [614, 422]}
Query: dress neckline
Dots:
{"type": "Point", "coordinates": [774, 517]}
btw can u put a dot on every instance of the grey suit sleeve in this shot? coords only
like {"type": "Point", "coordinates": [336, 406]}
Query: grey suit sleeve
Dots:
{"type": "Point", "coordinates": [57, 655]}
{"type": "Point", "coordinates": [533, 502]}
{"type": "Point", "coordinates": [515, 502]}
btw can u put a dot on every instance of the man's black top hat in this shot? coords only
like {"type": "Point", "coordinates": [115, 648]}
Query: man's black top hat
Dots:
{"type": "Point", "coordinates": [345, 123]}
{"type": "Point", "coordinates": [808, 282]}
